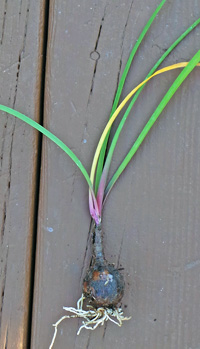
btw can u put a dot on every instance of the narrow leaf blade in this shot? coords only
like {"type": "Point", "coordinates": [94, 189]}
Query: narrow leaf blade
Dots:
{"type": "Point", "coordinates": [52, 137]}
{"type": "Point", "coordinates": [109, 156]}
{"type": "Point", "coordinates": [120, 87]}
{"type": "Point", "coordinates": [179, 80]}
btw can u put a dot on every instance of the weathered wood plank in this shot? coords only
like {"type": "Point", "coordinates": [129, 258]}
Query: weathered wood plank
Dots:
{"type": "Point", "coordinates": [151, 218]}
{"type": "Point", "coordinates": [21, 45]}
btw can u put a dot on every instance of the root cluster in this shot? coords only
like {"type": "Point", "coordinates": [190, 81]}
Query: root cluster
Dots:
{"type": "Point", "coordinates": [92, 317]}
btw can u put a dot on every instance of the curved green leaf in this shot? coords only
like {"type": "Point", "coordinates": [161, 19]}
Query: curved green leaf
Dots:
{"type": "Point", "coordinates": [120, 87]}
{"type": "Point", "coordinates": [123, 120]}
{"type": "Point", "coordinates": [52, 137]}
{"type": "Point", "coordinates": [179, 80]}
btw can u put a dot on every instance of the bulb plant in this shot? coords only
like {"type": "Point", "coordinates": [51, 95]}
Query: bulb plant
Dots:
{"type": "Point", "coordinates": [103, 285]}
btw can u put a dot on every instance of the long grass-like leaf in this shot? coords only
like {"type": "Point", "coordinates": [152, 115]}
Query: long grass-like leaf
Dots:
{"type": "Point", "coordinates": [179, 80]}
{"type": "Point", "coordinates": [119, 108]}
{"type": "Point", "coordinates": [54, 139]}
{"type": "Point", "coordinates": [120, 87]}
{"type": "Point", "coordinates": [109, 156]}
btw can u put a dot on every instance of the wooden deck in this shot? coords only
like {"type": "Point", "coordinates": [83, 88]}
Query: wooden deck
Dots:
{"type": "Point", "coordinates": [49, 71]}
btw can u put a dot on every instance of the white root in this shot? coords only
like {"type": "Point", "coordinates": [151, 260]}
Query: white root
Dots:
{"type": "Point", "coordinates": [92, 317]}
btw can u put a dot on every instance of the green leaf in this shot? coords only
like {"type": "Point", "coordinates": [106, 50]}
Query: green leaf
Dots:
{"type": "Point", "coordinates": [122, 122]}
{"type": "Point", "coordinates": [52, 137]}
{"type": "Point", "coordinates": [179, 80]}
{"type": "Point", "coordinates": [120, 87]}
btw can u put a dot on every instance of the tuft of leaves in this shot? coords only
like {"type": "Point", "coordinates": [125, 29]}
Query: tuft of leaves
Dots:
{"type": "Point", "coordinates": [97, 181]}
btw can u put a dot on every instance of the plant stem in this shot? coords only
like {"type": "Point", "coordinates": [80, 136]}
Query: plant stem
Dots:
{"type": "Point", "coordinates": [98, 250]}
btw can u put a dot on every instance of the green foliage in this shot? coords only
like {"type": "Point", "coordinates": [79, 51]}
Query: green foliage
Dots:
{"type": "Point", "coordinates": [51, 136]}
{"type": "Point", "coordinates": [179, 80]}
{"type": "Point", "coordinates": [100, 156]}
{"type": "Point", "coordinates": [126, 114]}
{"type": "Point", "coordinates": [120, 87]}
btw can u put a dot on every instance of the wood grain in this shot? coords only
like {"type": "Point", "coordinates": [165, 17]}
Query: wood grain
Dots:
{"type": "Point", "coordinates": [151, 219]}
{"type": "Point", "coordinates": [21, 46]}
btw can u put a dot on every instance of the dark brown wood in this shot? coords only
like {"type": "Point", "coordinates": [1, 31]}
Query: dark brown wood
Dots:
{"type": "Point", "coordinates": [21, 36]}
